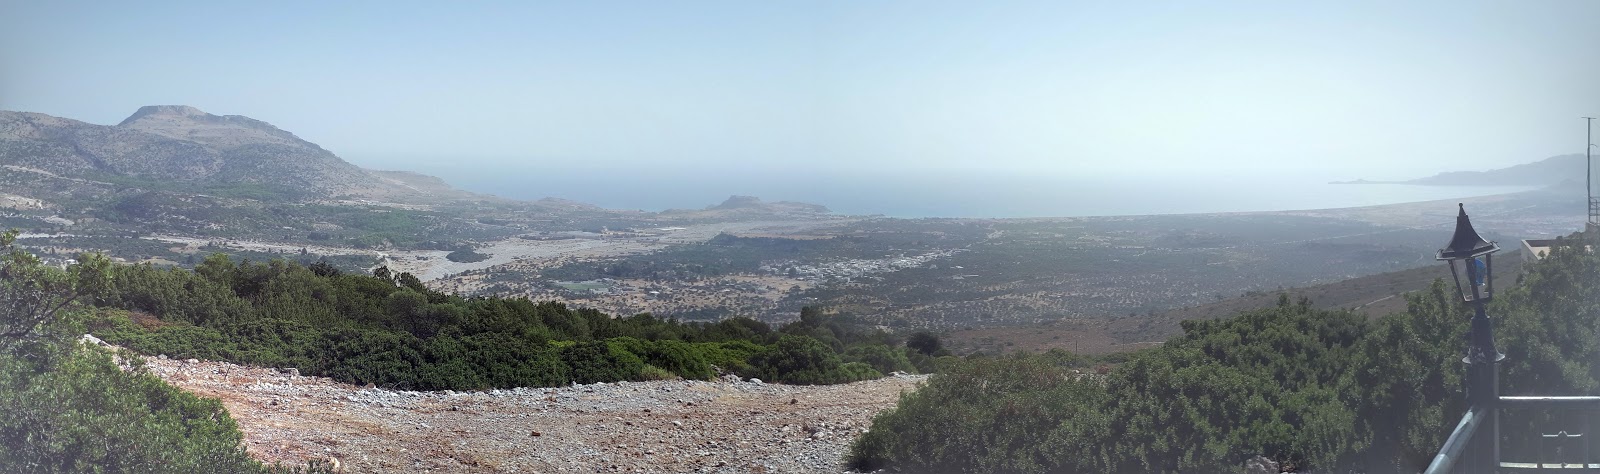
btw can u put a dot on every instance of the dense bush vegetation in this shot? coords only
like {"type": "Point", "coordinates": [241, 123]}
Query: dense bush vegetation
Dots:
{"type": "Point", "coordinates": [1329, 390]}
{"type": "Point", "coordinates": [465, 256]}
{"type": "Point", "coordinates": [722, 255]}
{"type": "Point", "coordinates": [1326, 389]}
{"type": "Point", "coordinates": [391, 331]}
{"type": "Point", "coordinates": [69, 407]}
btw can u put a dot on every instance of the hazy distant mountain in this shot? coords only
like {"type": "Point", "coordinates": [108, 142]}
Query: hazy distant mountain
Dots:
{"type": "Point", "coordinates": [183, 145]}
{"type": "Point", "coordinates": [1549, 171]}
{"type": "Point", "coordinates": [736, 202]}
{"type": "Point", "coordinates": [738, 206]}
{"type": "Point", "coordinates": [176, 154]}
{"type": "Point", "coordinates": [413, 181]}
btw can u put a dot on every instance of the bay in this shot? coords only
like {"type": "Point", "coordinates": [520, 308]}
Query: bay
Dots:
{"type": "Point", "coordinates": [973, 195]}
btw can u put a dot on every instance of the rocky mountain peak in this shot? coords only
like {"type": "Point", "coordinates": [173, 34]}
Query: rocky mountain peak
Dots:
{"type": "Point", "coordinates": [222, 131]}
{"type": "Point", "coordinates": [166, 144]}
{"type": "Point", "coordinates": [163, 110]}
{"type": "Point", "coordinates": [739, 202]}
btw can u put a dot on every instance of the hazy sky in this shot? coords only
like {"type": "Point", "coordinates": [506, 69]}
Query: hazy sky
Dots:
{"type": "Point", "coordinates": [1354, 89]}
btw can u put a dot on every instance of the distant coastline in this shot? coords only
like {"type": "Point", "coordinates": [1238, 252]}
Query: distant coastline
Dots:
{"type": "Point", "coordinates": [1366, 181]}
{"type": "Point", "coordinates": [971, 195]}
{"type": "Point", "coordinates": [1549, 171]}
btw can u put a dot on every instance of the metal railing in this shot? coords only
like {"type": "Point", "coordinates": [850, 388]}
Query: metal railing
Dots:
{"type": "Point", "coordinates": [1450, 456]}
{"type": "Point", "coordinates": [1445, 461]}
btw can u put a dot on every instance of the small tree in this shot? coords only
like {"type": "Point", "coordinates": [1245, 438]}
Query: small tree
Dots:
{"type": "Point", "coordinates": [31, 293]}
{"type": "Point", "coordinates": [925, 342]}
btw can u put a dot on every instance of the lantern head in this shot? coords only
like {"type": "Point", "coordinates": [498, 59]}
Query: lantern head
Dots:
{"type": "Point", "coordinates": [1471, 260]}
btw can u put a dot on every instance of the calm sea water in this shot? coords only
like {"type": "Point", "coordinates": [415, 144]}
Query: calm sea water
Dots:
{"type": "Point", "coordinates": [954, 195]}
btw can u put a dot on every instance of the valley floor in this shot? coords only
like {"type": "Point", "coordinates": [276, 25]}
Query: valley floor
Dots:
{"type": "Point", "coordinates": [661, 426]}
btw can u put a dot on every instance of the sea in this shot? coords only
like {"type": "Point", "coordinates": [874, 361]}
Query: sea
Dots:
{"type": "Point", "coordinates": [970, 195]}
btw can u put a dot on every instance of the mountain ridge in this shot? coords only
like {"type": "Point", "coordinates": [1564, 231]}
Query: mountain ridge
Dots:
{"type": "Point", "coordinates": [181, 145]}
{"type": "Point", "coordinates": [1555, 170]}
{"type": "Point", "coordinates": [183, 122]}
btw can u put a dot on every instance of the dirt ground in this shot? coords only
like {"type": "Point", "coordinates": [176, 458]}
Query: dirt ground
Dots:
{"type": "Point", "coordinates": [660, 426]}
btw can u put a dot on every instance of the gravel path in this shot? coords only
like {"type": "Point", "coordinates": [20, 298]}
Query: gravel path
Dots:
{"type": "Point", "coordinates": [663, 426]}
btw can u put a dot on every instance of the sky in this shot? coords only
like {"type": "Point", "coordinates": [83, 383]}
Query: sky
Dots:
{"type": "Point", "coordinates": [1376, 90]}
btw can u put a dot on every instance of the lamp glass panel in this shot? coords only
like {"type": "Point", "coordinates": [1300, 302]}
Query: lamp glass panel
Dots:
{"type": "Point", "coordinates": [1473, 275]}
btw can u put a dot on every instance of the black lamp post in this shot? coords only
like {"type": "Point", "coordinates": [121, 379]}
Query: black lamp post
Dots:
{"type": "Point", "coordinates": [1472, 265]}
{"type": "Point", "coordinates": [1470, 254]}
{"type": "Point", "coordinates": [1479, 449]}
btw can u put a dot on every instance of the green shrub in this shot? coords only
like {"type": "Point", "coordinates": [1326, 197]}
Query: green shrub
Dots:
{"type": "Point", "coordinates": [1014, 414]}
{"type": "Point", "coordinates": [924, 363]}
{"type": "Point", "coordinates": [731, 356]}
{"type": "Point", "coordinates": [390, 330]}
{"type": "Point", "coordinates": [375, 357]}
{"type": "Point", "coordinates": [857, 371]}
{"type": "Point", "coordinates": [681, 358]}
{"type": "Point", "coordinates": [68, 407]}
{"type": "Point", "coordinates": [466, 256]}
{"type": "Point", "coordinates": [925, 343]}
{"type": "Point", "coordinates": [802, 360]}
{"type": "Point", "coordinates": [178, 341]}
{"type": "Point", "coordinates": [881, 358]}
{"type": "Point", "coordinates": [1326, 390]}
{"type": "Point", "coordinates": [651, 372]}
{"type": "Point", "coordinates": [597, 361]}
{"type": "Point", "coordinates": [79, 412]}
{"type": "Point", "coordinates": [544, 369]}
{"type": "Point", "coordinates": [497, 360]}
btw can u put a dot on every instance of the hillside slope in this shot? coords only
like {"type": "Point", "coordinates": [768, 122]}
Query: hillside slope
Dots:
{"type": "Point", "coordinates": [182, 147]}
{"type": "Point", "coordinates": [1373, 295]}
{"type": "Point", "coordinates": [1548, 171]}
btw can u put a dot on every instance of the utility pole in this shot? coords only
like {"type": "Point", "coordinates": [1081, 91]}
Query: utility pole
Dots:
{"type": "Point", "coordinates": [1588, 175]}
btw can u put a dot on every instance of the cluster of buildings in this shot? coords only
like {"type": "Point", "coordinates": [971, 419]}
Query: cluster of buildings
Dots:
{"type": "Point", "coordinates": [849, 269]}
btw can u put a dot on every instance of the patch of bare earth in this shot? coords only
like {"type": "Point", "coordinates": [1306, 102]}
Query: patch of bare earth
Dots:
{"type": "Point", "coordinates": [661, 426]}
